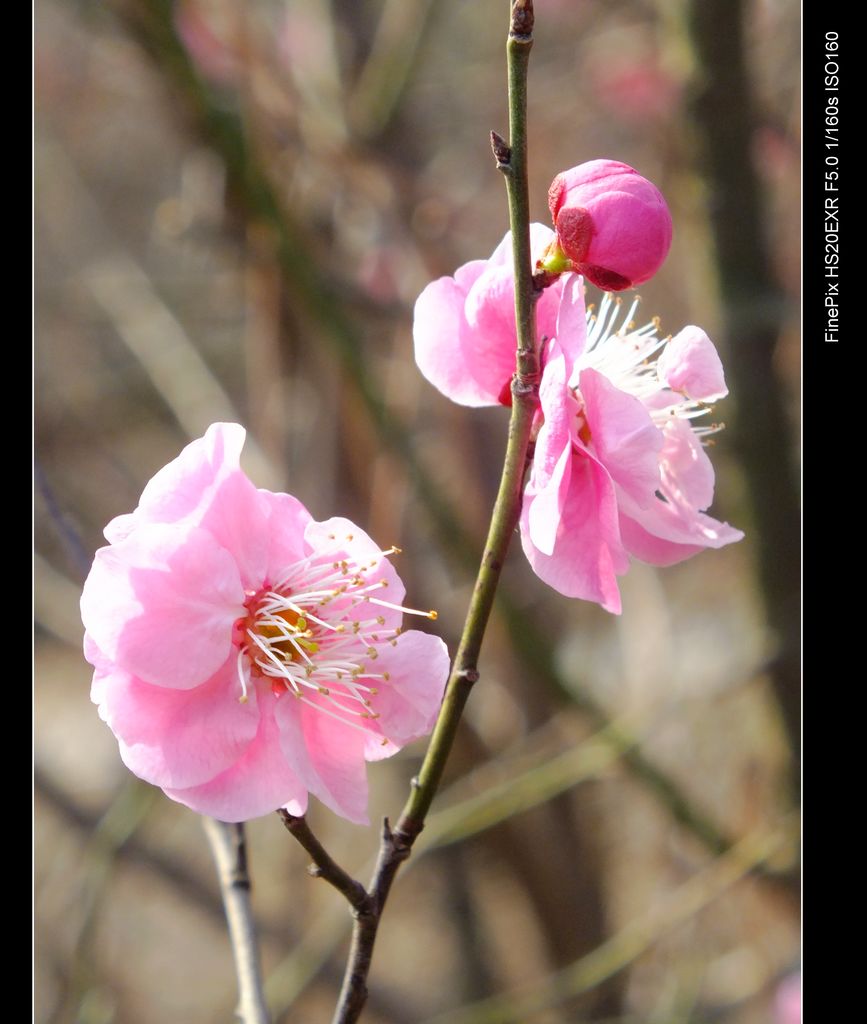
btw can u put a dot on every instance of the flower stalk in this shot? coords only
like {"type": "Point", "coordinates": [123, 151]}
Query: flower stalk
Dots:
{"type": "Point", "coordinates": [397, 843]}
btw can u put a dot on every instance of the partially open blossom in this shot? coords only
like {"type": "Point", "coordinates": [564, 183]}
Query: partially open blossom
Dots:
{"type": "Point", "coordinates": [246, 655]}
{"type": "Point", "coordinates": [619, 467]}
{"type": "Point", "coordinates": [612, 224]}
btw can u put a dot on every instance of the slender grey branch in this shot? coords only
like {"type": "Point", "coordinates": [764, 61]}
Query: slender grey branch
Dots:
{"type": "Point", "coordinates": [230, 855]}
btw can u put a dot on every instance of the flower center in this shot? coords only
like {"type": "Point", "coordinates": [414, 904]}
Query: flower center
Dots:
{"type": "Point", "coordinates": [316, 632]}
{"type": "Point", "coordinates": [282, 630]}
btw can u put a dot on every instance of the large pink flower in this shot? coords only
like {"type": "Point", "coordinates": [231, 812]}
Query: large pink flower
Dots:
{"type": "Point", "coordinates": [246, 655]}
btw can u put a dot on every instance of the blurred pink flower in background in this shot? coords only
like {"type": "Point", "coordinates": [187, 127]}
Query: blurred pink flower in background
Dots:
{"type": "Point", "coordinates": [612, 223]}
{"type": "Point", "coordinates": [787, 1001]}
{"type": "Point", "coordinates": [209, 51]}
{"type": "Point", "coordinates": [246, 655]}
{"type": "Point", "coordinates": [634, 89]}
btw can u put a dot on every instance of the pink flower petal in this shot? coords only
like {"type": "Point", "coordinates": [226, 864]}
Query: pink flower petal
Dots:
{"type": "Point", "coordinates": [624, 438]}
{"type": "Point", "coordinates": [653, 550]}
{"type": "Point", "coordinates": [541, 237]}
{"type": "Point", "coordinates": [571, 325]}
{"type": "Point", "coordinates": [559, 409]}
{"type": "Point", "coordinates": [689, 363]}
{"type": "Point", "coordinates": [287, 521]}
{"type": "Point", "coordinates": [667, 534]}
{"type": "Point", "coordinates": [587, 553]}
{"type": "Point", "coordinates": [687, 471]}
{"type": "Point", "coordinates": [408, 703]}
{"type": "Point", "coordinates": [464, 327]}
{"type": "Point", "coordinates": [552, 462]}
{"type": "Point", "coordinates": [545, 510]}
{"type": "Point", "coordinates": [161, 604]}
{"type": "Point", "coordinates": [205, 486]}
{"type": "Point", "coordinates": [326, 754]}
{"type": "Point", "coordinates": [181, 738]}
{"type": "Point", "coordinates": [445, 345]}
{"type": "Point", "coordinates": [259, 782]}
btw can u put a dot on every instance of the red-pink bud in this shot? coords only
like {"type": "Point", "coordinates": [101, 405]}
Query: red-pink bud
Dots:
{"type": "Point", "coordinates": [611, 223]}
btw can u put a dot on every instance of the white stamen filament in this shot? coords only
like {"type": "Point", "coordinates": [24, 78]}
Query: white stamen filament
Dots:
{"type": "Point", "coordinates": [321, 656]}
{"type": "Point", "coordinates": [625, 356]}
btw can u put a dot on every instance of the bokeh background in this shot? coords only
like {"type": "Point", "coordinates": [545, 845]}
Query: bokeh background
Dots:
{"type": "Point", "coordinates": [237, 205]}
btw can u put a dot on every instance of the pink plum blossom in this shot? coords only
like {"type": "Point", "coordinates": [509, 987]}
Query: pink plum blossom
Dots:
{"type": "Point", "coordinates": [612, 224]}
{"type": "Point", "coordinates": [246, 655]}
{"type": "Point", "coordinates": [619, 468]}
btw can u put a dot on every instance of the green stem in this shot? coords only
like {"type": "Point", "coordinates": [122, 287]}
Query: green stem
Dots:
{"type": "Point", "coordinates": [507, 508]}
{"type": "Point", "coordinates": [396, 845]}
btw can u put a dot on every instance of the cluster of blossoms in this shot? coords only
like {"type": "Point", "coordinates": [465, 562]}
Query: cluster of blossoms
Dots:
{"type": "Point", "coordinates": [246, 655]}
{"type": "Point", "coordinates": [619, 466]}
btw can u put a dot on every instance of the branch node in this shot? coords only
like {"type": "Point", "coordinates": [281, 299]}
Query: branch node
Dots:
{"type": "Point", "coordinates": [543, 279]}
{"type": "Point", "coordinates": [470, 674]}
{"type": "Point", "coordinates": [525, 386]}
{"type": "Point", "coordinates": [523, 19]}
{"type": "Point", "coordinates": [502, 152]}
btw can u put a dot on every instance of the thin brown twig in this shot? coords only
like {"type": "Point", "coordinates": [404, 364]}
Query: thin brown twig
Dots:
{"type": "Point", "coordinates": [324, 866]}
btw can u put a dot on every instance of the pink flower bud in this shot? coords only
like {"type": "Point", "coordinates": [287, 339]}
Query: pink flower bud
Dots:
{"type": "Point", "coordinates": [611, 223]}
